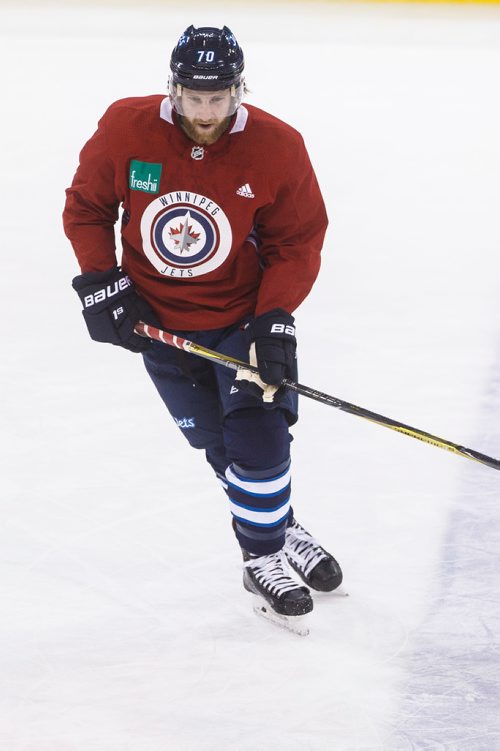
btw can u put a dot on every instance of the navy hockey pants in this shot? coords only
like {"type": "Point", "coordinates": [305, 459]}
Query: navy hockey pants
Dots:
{"type": "Point", "coordinates": [246, 441]}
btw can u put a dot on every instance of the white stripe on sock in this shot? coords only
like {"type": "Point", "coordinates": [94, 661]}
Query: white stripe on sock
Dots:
{"type": "Point", "coordinates": [259, 487]}
{"type": "Point", "coordinates": [260, 517]}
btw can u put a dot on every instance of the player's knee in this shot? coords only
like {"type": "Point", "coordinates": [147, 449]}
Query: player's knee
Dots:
{"type": "Point", "coordinates": [256, 438]}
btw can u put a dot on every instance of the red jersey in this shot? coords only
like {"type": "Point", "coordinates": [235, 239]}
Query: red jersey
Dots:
{"type": "Point", "coordinates": [209, 233]}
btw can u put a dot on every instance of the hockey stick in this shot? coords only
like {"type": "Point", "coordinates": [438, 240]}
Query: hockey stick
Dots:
{"type": "Point", "coordinates": [230, 362]}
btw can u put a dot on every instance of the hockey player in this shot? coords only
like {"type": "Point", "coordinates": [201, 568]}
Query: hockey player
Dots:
{"type": "Point", "coordinates": [222, 226]}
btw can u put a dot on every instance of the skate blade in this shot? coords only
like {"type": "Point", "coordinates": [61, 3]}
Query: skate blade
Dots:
{"type": "Point", "coordinates": [338, 592]}
{"type": "Point", "coordinates": [296, 624]}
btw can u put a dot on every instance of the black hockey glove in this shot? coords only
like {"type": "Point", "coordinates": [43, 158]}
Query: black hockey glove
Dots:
{"type": "Point", "coordinates": [272, 349]}
{"type": "Point", "coordinates": [111, 308]}
{"type": "Point", "coordinates": [275, 345]}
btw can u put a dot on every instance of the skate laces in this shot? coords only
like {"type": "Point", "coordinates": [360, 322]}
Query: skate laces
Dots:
{"type": "Point", "coordinates": [303, 549]}
{"type": "Point", "coordinates": [270, 573]}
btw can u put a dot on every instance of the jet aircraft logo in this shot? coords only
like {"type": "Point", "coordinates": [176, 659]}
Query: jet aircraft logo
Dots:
{"type": "Point", "coordinates": [184, 236]}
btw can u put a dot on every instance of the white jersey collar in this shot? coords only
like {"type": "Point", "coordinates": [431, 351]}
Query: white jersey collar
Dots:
{"type": "Point", "coordinates": [166, 110]}
{"type": "Point", "coordinates": [241, 120]}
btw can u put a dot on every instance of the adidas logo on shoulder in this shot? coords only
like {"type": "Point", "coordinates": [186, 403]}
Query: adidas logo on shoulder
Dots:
{"type": "Point", "coordinates": [245, 191]}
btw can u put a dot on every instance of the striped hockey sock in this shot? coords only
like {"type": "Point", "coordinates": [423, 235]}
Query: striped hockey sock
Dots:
{"type": "Point", "coordinates": [259, 501]}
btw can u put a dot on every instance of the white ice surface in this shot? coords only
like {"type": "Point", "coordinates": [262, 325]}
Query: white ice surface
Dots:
{"type": "Point", "coordinates": [124, 624]}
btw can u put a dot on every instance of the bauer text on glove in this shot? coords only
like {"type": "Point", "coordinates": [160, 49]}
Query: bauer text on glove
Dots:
{"type": "Point", "coordinates": [112, 307]}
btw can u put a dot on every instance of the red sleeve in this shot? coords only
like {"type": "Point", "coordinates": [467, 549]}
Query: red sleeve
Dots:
{"type": "Point", "coordinates": [291, 229]}
{"type": "Point", "coordinates": [91, 209]}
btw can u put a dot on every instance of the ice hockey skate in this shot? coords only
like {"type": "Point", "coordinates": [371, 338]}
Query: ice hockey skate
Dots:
{"type": "Point", "coordinates": [315, 566]}
{"type": "Point", "coordinates": [278, 598]}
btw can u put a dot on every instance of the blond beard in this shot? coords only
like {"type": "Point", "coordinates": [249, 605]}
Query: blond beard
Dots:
{"type": "Point", "coordinates": [201, 138]}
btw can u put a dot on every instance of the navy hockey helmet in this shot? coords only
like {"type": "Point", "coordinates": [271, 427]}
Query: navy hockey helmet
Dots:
{"type": "Point", "coordinates": [207, 59]}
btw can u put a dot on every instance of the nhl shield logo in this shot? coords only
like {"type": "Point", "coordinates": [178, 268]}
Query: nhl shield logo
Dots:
{"type": "Point", "coordinates": [197, 152]}
{"type": "Point", "coordinates": [185, 234]}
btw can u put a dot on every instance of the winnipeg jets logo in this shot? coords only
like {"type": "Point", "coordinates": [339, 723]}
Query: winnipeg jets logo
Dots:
{"type": "Point", "coordinates": [185, 234]}
{"type": "Point", "coordinates": [184, 237]}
